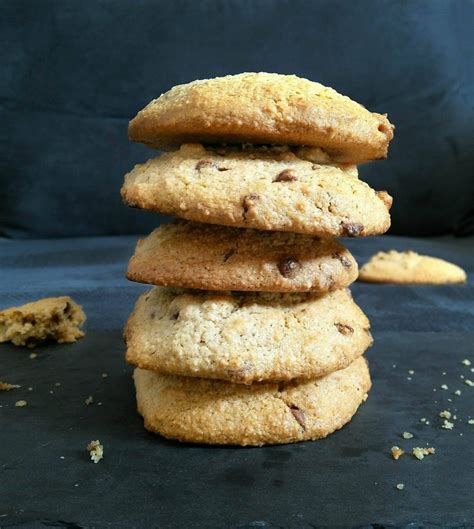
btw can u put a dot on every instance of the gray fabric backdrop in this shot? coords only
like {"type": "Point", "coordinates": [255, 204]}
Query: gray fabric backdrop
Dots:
{"type": "Point", "coordinates": [73, 74]}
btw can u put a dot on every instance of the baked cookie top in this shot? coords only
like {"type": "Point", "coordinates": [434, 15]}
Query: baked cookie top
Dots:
{"type": "Point", "coordinates": [246, 337]}
{"type": "Point", "coordinates": [210, 257]}
{"type": "Point", "coordinates": [410, 267]}
{"type": "Point", "coordinates": [263, 108]}
{"type": "Point", "coordinates": [215, 412]}
{"type": "Point", "coordinates": [56, 319]}
{"type": "Point", "coordinates": [258, 189]}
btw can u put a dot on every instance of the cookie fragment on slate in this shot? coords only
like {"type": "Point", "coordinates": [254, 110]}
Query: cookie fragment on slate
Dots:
{"type": "Point", "coordinates": [246, 337]}
{"type": "Point", "coordinates": [215, 412]}
{"type": "Point", "coordinates": [322, 200]}
{"type": "Point", "coordinates": [210, 257]}
{"type": "Point", "coordinates": [410, 267]}
{"type": "Point", "coordinates": [57, 319]}
{"type": "Point", "coordinates": [263, 108]}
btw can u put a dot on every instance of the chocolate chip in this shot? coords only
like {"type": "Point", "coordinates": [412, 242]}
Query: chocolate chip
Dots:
{"type": "Point", "coordinates": [289, 266]}
{"type": "Point", "coordinates": [344, 329]}
{"type": "Point", "coordinates": [228, 254]}
{"type": "Point", "coordinates": [202, 342]}
{"type": "Point", "coordinates": [352, 229]}
{"type": "Point", "coordinates": [298, 415]}
{"type": "Point", "coordinates": [205, 163]}
{"type": "Point", "coordinates": [175, 316]}
{"type": "Point", "coordinates": [55, 318]}
{"type": "Point", "coordinates": [286, 176]}
{"type": "Point", "coordinates": [331, 283]}
{"type": "Point", "coordinates": [152, 315]}
{"type": "Point", "coordinates": [247, 202]}
{"type": "Point", "coordinates": [29, 318]}
{"type": "Point", "coordinates": [223, 169]}
{"type": "Point", "coordinates": [346, 263]}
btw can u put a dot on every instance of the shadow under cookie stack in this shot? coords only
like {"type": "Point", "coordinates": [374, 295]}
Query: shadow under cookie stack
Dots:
{"type": "Point", "coordinates": [251, 336]}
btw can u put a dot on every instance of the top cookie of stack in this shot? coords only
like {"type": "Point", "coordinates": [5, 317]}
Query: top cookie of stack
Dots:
{"type": "Point", "coordinates": [291, 170]}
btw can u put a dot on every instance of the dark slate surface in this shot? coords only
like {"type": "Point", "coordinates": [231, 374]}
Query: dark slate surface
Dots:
{"type": "Point", "coordinates": [347, 480]}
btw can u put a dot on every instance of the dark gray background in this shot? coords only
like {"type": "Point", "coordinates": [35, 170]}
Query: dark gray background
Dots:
{"type": "Point", "coordinates": [73, 74]}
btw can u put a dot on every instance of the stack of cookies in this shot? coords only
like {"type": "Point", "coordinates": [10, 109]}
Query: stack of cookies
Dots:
{"type": "Point", "coordinates": [251, 335]}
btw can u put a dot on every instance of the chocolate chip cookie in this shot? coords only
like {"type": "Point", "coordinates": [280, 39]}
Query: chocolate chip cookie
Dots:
{"type": "Point", "coordinates": [211, 411]}
{"type": "Point", "coordinates": [246, 337]}
{"type": "Point", "coordinates": [209, 257]}
{"type": "Point", "coordinates": [260, 190]}
{"type": "Point", "coordinates": [263, 108]}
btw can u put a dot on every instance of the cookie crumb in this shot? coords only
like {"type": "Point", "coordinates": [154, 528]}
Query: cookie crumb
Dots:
{"type": "Point", "coordinates": [469, 382]}
{"type": "Point", "coordinates": [96, 451]}
{"type": "Point", "coordinates": [466, 362]}
{"type": "Point", "coordinates": [407, 435]}
{"type": "Point", "coordinates": [447, 425]}
{"type": "Point", "coordinates": [444, 386]}
{"type": "Point", "coordinates": [457, 392]}
{"type": "Point", "coordinates": [57, 384]}
{"type": "Point", "coordinates": [21, 403]}
{"type": "Point", "coordinates": [470, 421]}
{"type": "Point", "coordinates": [104, 375]}
{"type": "Point", "coordinates": [5, 386]}
{"type": "Point", "coordinates": [400, 486]}
{"type": "Point", "coordinates": [89, 400]}
{"type": "Point", "coordinates": [445, 414]}
{"type": "Point", "coordinates": [411, 372]}
{"type": "Point", "coordinates": [33, 355]}
{"type": "Point", "coordinates": [397, 452]}
{"type": "Point", "coordinates": [420, 452]}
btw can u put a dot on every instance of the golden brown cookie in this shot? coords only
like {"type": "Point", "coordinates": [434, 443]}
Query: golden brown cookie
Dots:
{"type": "Point", "coordinates": [261, 190]}
{"type": "Point", "coordinates": [56, 319]}
{"type": "Point", "coordinates": [214, 412]}
{"type": "Point", "coordinates": [210, 257]}
{"type": "Point", "coordinates": [246, 337]}
{"type": "Point", "coordinates": [410, 267]}
{"type": "Point", "coordinates": [263, 108]}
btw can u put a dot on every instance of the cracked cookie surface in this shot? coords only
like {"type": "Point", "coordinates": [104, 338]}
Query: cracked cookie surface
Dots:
{"type": "Point", "coordinates": [215, 412]}
{"type": "Point", "coordinates": [57, 319]}
{"type": "Point", "coordinates": [260, 190]}
{"type": "Point", "coordinates": [263, 108]}
{"type": "Point", "coordinates": [210, 257]}
{"type": "Point", "coordinates": [246, 337]}
{"type": "Point", "coordinates": [410, 268]}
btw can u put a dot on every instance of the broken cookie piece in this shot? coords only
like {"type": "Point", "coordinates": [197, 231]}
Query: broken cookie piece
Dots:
{"type": "Point", "coordinates": [56, 319]}
{"type": "Point", "coordinates": [96, 451]}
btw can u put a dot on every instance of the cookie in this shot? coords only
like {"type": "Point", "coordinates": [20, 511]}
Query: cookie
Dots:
{"type": "Point", "coordinates": [246, 337]}
{"type": "Point", "coordinates": [56, 319]}
{"type": "Point", "coordinates": [197, 410]}
{"type": "Point", "coordinates": [265, 191]}
{"type": "Point", "coordinates": [209, 257]}
{"type": "Point", "coordinates": [263, 108]}
{"type": "Point", "coordinates": [410, 267]}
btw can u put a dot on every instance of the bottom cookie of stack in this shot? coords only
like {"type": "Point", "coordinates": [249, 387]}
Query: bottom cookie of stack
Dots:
{"type": "Point", "coordinates": [216, 412]}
